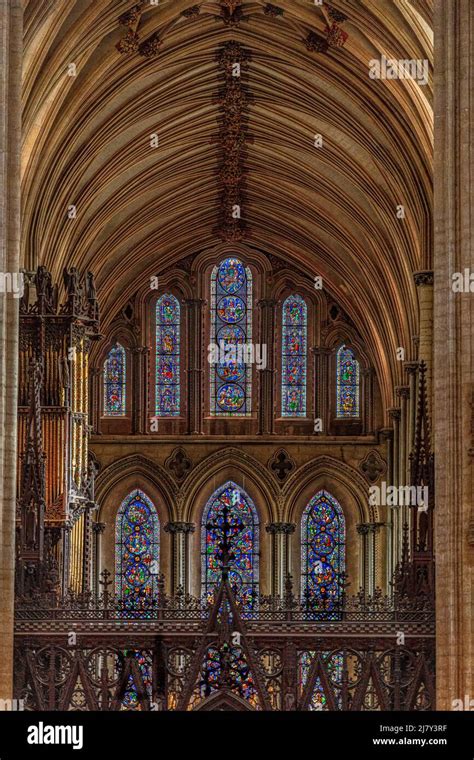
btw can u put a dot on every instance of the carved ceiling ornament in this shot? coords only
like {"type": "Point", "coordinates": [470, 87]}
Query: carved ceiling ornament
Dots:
{"type": "Point", "coordinates": [233, 100]}
{"type": "Point", "coordinates": [231, 13]}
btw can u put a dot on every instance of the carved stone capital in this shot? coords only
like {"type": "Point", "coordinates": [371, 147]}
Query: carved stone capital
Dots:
{"type": "Point", "coordinates": [395, 413]}
{"type": "Point", "coordinates": [425, 277]}
{"type": "Point", "coordinates": [98, 527]}
{"type": "Point", "coordinates": [281, 527]}
{"type": "Point", "coordinates": [411, 368]}
{"type": "Point", "coordinates": [402, 391]}
{"type": "Point", "coordinates": [179, 527]}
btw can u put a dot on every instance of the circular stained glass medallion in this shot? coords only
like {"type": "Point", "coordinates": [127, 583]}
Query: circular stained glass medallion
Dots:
{"type": "Point", "coordinates": [230, 398]}
{"type": "Point", "coordinates": [231, 309]}
{"type": "Point", "coordinates": [230, 371]}
{"type": "Point", "coordinates": [137, 575]}
{"type": "Point", "coordinates": [231, 275]}
{"type": "Point", "coordinates": [137, 512]}
{"type": "Point", "coordinates": [231, 336]}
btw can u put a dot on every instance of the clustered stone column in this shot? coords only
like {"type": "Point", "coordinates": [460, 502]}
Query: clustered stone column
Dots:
{"type": "Point", "coordinates": [320, 385]}
{"type": "Point", "coordinates": [195, 371]}
{"type": "Point", "coordinates": [140, 371]}
{"type": "Point", "coordinates": [97, 530]}
{"type": "Point", "coordinates": [180, 532]}
{"type": "Point", "coordinates": [266, 375]}
{"type": "Point", "coordinates": [424, 282]}
{"type": "Point", "coordinates": [454, 350]}
{"type": "Point", "coordinates": [280, 554]}
{"type": "Point", "coordinates": [11, 27]}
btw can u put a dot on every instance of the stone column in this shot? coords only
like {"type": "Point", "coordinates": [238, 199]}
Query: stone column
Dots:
{"type": "Point", "coordinates": [11, 29]}
{"type": "Point", "coordinates": [97, 530]}
{"type": "Point", "coordinates": [180, 554]}
{"type": "Point", "coordinates": [266, 406]}
{"type": "Point", "coordinates": [411, 368]}
{"type": "Point", "coordinates": [320, 385]}
{"type": "Point", "coordinates": [96, 379]}
{"type": "Point", "coordinates": [386, 434]}
{"type": "Point", "coordinates": [454, 350]}
{"type": "Point", "coordinates": [397, 524]}
{"type": "Point", "coordinates": [363, 531]}
{"type": "Point", "coordinates": [424, 284]}
{"type": "Point", "coordinates": [281, 554]}
{"type": "Point", "coordinates": [368, 400]}
{"type": "Point", "coordinates": [139, 402]}
{"type": "Point", "coordinates": [195, 371]}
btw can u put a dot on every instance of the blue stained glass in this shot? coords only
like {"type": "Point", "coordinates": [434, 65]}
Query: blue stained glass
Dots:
{"type": "Point", "coordinates": [347, 384]}
{"type": "Point", "coordinates": [231, 331]}
{"type": "Point", "coordinates": [334, 665]}
{"type": "Point", "coordinates": [243, 535]}
{"type": "Point", "coordinates": [115, 395]}
{"type": "Point", "coordinates": [294, 357]}
{"type": "Point", "coordinates": [136, 551]}
{"type": "Point", "coordinates": [225, 666]}
{"type": "Point", "coordinates": [322, 552]}
{"type": "Point", "coordinates": [130, 700]}
{"type": "Point", "coordinates": [167, 389]}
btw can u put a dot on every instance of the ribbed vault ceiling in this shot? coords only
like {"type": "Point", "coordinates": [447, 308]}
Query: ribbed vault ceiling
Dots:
{"type": "Point", "coordinates": [331, 211]}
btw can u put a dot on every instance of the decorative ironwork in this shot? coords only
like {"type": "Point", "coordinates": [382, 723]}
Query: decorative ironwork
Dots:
{"type": "Point", "coordinates": [216, 657]}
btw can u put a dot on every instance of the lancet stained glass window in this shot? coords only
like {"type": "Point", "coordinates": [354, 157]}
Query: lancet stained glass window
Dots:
{"type": "Point", "coordinates": [115, 393]}
{"type": "Point", "coordinates": [231, 335]}
{"type": "Point", "coordinates": [167, 391]}
{"type": "Point", "coordinates": [347, 383]}
{"type": "Point", "coordinates": [322, 552]}
{"type": "Point", "coordinates": [294, 357]}
{"type": "Point", "coordinates": [137, 551]}
{"type": "Point", "coordinates": [230, 504]}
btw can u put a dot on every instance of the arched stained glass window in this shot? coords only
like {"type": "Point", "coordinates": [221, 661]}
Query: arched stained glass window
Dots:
{"type": "Point", "coordinates": [347, 383]}
{"type": "Point", "coordinates": [137, 551]}
{"type": "Point", "coordinates": [115, 388]}
{"type": "Point", "coordinates": [322, 552]}
{"type": "Point", "coordinates": [294, 357]}
{"type": "Point", "coordinates": [230, 510]}
{"type": "Point", "coordinates": [231, 335]}
{"type": "Point", "coordinates": [167, 390]}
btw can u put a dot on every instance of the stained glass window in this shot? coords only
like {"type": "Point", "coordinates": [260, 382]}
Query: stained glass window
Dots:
{"type": "Point", "coordinates": [322, 552]}
{"type": "Point", "coordinates": [167, 390]}
{"type": "Point", "coordinates": [225, 667]}
{"type": "Point", "coordinates": [115, 395]}
{"type": "Point", "coordinates": [347, 383]}
{"type": "Point", "coordinates": [333, 664]}
{"type": "Point", "coordinates": [230, 509]}
{"type": "Point", "coordinates": [231, 333]}
{"type": "Point", "coordinates": [131, 699]}
{"type": "Point", "coordinates": [294, 358]}
{"type": "Point", "coordinates": [136, 551]}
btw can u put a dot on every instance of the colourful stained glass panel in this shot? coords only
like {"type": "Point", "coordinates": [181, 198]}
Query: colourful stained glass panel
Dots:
{"type": "Point", "coordinates": [115, 382]}
{"type": "Point", "coordinates": [226, 666]}
{"type": "Point", "coordinates": [242, 533]}
{"type": "Point", "coordinates": [347, 386]}
{"type": "Point", "coordinates": [294, 357]}
{"type": "Point", "coordinates": [322, 552]}
{"type": "Point", "coordinates": [231, 332]}
{"type": "Point", "coordinates": [136, 551]}
{"type": "Point", "coordinates": [333, 663]}
{"type": "Point", "coordinates": [167, 391]}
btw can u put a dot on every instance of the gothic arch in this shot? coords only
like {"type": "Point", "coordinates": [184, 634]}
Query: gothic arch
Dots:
{"type": "Point", "coordinates": [351, 491]}
{"type": "Point", "coordinates": [114, 484]}
{"type": "Point", "coordinates": [220, 467]}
